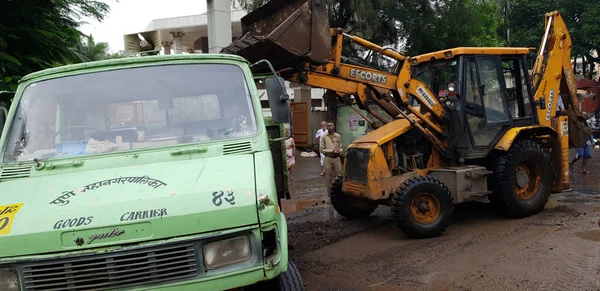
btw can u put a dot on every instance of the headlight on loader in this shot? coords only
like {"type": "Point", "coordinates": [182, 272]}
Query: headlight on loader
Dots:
{"type": "Point", "coordinates": [9, 280]}
{"type": "Point", "coordinates": [226, 252]}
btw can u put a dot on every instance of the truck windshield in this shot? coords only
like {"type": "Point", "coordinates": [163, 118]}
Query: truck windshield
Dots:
{"type": "Point", "coordinates": [437, 74]}
{"type": "Point", "coordinates": [128, 109]}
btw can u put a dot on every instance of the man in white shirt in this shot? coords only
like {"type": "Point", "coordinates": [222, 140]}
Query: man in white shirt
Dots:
{"type": "Point", "coordinates": [321, 132]}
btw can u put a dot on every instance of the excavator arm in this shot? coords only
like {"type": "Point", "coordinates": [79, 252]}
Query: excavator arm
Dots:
{"type": "Point", "coordinates": [552, 71]}
{"type": "Point", "coordinates": [553, 74]}
{"type": "Point", "coordinates": [290, 34]}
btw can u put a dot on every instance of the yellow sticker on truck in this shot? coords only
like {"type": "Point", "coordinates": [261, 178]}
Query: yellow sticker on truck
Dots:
{"type": "Point", "coordinates": [7, 215]}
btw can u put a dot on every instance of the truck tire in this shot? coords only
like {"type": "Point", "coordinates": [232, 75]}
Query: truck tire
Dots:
{"type": "Point", "coordinates": [522, 180]}
{"type": "Point", "coordinates": [422, 207]}
{"type": "Point", "coordinates": [348, 206]}
{"type": "Point", "coordinates": [291, 280]}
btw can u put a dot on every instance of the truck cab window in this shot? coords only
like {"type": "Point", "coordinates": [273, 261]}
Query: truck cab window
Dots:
{"type": "Point", "coordinates": [145, 107]}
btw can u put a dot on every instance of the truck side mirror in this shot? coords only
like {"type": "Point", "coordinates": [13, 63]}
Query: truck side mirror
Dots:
{"type": "Point", "coordinates": [278, 100]}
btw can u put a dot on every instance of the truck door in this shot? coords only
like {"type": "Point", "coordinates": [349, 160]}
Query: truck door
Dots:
{"type": "Point", "coordinates": [485, 104]}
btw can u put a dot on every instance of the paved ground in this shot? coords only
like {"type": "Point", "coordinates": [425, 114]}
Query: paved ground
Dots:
{"type": "Point", "coordinates": [558, 249]}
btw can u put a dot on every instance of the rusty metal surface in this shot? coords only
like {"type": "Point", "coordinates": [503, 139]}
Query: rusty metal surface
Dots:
{"type": "Point", "coordinates": [286, 33]}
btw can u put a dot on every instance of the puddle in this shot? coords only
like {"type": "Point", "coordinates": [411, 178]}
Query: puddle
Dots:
{"type": "Point", "coordinates": [593, 235]}
{"type": "Point", "coordinates": [561, 228]}
{"type": "Point", "coordinates": [426, 279]}
{"type": "Point", "coordinates": [292, 207]}
{"type": "Point", "coordinates": [321, 213]}
{"type": "Point", "coordinates": [585, 207]}
{"type": "Point", "coordinates": [552, 203]}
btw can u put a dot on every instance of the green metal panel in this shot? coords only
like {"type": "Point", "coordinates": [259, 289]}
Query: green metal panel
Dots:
{"type": "Point", "coordinates": [350, 125]}
{"type": "Point", "coordinates": [277, 147]}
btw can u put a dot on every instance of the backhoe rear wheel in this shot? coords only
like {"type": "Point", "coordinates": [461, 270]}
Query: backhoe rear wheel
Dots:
{"type": "Point", "coordinates": [522, 180]}
{"type": "Point", "coordinates": [348, 206]}
{"type": "Point", "coordinates": [422, 207]}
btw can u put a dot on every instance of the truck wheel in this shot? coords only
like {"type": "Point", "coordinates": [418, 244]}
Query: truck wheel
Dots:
{"type": "Point", "coordinates": [422, 207]}
{"type": "Point", "coordinates": [290, 280]}
{"type": "Point", "coordinates": [348, 206]}
{"type": "Point", "coordinates": [522, 180]}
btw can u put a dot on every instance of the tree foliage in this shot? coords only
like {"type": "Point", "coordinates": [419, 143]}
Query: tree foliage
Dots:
{"type": "Point", "coordinates": [37, 34]}
{"type": "Point", "coordinates": [581, 17]}
{"type": "Point", "coordinates": [436, 25]}
{"type": "Point", "coordinates": [88, 50]}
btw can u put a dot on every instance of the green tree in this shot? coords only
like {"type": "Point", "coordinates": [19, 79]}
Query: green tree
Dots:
{"type": "Point", "coordinates": [88, 50]}
{"type": "Point", "coordinates": [35, 34]}
{"type": "Point", "coordinates": [436, 25]}
{"type": "Point", "coordinates": [581, 17]}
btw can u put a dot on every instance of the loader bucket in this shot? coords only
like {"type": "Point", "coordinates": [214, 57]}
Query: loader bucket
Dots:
{"type": "Point", "coordinates": [285, 32]}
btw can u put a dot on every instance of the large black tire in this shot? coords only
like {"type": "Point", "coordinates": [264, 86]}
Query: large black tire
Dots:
{"type": "Point", "coordinates": [348, 206]}
{"type": "Point", "coordinates": [422, 207]}
{"type": "Point", "coordinates": [291, 280]}
{"type": "Point", "coordinates": [522, 180]}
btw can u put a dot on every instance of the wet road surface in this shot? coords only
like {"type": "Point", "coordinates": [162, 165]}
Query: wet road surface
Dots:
{"type": "Point", "coordinates": [558, 249]}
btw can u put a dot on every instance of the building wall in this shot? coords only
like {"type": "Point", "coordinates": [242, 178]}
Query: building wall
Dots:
{"type": "Point", "coordinates": [589, 105]}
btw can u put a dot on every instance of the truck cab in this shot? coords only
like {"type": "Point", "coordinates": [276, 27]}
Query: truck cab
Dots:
{"type": "Point", "coordinates": [141, 173]}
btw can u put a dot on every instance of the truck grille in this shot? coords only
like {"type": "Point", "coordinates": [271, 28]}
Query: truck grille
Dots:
{"type": "Point", "coordinates": [357, 161]}
{"type": "Point", "coordinates": [117, 269]}
{"type": "Point", "coordinates": [17, 172]}
{"type": "Point", "coordinates": [236, 148]}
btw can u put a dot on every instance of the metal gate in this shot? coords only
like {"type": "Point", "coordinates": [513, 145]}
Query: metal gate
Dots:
{"type": "Point", "coordinates": [300, 123]}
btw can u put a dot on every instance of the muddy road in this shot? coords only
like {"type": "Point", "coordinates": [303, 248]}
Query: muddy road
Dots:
{"type": "Point", "coordinates": [558, 249]}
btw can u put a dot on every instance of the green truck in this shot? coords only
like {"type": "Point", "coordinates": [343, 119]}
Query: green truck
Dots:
{"type": "Point", "coordinates": [144, 173]}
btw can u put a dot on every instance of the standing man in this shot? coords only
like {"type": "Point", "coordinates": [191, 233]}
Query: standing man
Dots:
{"type": "Point", "coordinates": [331, 147]}
{"type": "Point", "coordinates": [321, 132]}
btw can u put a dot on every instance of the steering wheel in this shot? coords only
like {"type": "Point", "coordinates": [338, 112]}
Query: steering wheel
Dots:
{"type": "Point", "coordinates": [70, 127]}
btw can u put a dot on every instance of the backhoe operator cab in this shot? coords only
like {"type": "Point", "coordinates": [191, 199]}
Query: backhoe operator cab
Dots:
{"type": "Point", "coordinates": [483, 128]}
{"type": "Point", "coordinates": [488, 95]}
{"type": "Point", "coordinates": [144, 173]}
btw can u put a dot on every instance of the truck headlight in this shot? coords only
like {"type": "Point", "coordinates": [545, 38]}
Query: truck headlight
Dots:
{"type": "Point", "coordinates": [226, 252]}
{"type": "Point", "coordinates": [9, 280]}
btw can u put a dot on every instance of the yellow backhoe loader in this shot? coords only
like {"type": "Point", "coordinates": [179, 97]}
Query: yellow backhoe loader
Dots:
{"type": "Point", "coordinates": [468, 123]}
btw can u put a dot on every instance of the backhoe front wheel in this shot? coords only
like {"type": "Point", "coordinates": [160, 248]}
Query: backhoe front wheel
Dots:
{"type": "Point", "coordinates": [422, 207]}
{"type": "Point", "coordinates": [522, 180]}
{"type": "Point", "coordinates": [348, 206]}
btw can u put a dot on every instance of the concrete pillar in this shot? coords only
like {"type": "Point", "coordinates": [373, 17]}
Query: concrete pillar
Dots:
{"type": "Point", "coordinates": [177, 44]}
{"type": "Point", "coordinates": [303, 94]}
{"type": "Point", "coordinates": [219, 24]}
{"type": "Point", "coordinates": [167, 46]}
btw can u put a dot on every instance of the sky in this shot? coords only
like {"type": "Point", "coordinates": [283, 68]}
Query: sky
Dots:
{"type": "Point", "coordinates": [130, 16]}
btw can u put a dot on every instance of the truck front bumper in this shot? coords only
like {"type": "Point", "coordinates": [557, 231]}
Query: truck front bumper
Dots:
{"type": "Point", "coordinates": [175, 264]}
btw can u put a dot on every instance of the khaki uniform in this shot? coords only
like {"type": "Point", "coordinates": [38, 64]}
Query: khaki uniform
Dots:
{"type": "Point", "coordinates": [333, 164]}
